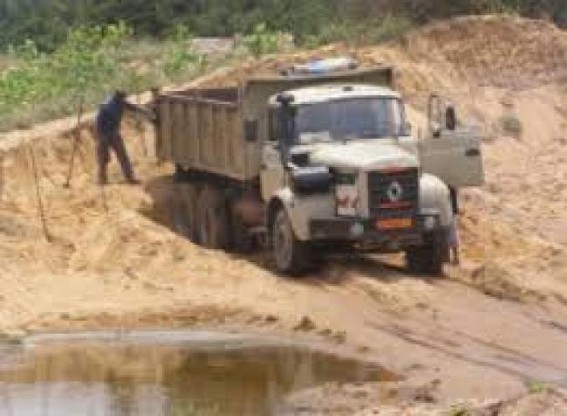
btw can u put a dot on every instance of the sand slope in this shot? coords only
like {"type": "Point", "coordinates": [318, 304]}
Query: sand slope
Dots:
{"type": "Point", "coordinates": [497, 320]}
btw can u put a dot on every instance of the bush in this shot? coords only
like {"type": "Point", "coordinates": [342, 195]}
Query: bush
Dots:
{"type": "Point", "coordinates": [537, 387]}
{"type": "Point", "coordinates": [179, 55]}
{"type": "Point", "coordinates": [511, 125]}
{"type": "Point", "coordinates": [85, 61]}
{"type": "Point", "coordinates": [362, 32]}
{"type": "Point", "coordinates": [510, 7]}
{"type": "Point", "coordinates": [262, 41]}
{"type": "Point", "coordinates": [91, 62]}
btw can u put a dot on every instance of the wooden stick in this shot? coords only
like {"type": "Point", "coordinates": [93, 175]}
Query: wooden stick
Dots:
{"type": "Point", "coordinates": [1, 176]}
{"type": "Point", "coordinates": [38, 195]}
{"type": "Point", "coordinates": [141, 129]}
{"type": "Point", "coordinates": [76, 140]}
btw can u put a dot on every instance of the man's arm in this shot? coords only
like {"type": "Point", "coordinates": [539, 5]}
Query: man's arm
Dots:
{"type": "Point", "coordinates": [142, 110]}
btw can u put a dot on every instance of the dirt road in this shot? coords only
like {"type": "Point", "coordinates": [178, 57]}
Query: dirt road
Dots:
{"type": "Point", "coordinates": [485, 331]}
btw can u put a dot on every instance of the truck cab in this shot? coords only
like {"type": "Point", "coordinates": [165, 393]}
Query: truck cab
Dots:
{"type": "Point", "coordinates": [341, 169]}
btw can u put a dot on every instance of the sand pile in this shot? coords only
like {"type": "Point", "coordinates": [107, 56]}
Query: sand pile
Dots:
{"type": "Point", "coordinates": [497, 51]}
{"type": "Point", "coordinates": [112, 261]}
{"type": "Point", "coordinates": [109, 236]}
{"type": "Point", "coordinates": [334, 400]}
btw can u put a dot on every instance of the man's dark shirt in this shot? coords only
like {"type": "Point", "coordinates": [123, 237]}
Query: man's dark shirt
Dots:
{"type": "Point", "coordinates": [109, 117]}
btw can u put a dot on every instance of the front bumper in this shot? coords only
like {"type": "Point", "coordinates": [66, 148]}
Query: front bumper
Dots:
{"type": "Point", "coordinates": [365, 231]}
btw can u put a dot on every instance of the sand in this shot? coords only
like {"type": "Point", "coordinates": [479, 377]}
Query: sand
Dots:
{"type": "Point", "coordinates": [111, 259]}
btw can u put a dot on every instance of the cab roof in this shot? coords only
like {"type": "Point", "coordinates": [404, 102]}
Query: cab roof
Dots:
{"type": "Point", "coordinates": [330, 92]}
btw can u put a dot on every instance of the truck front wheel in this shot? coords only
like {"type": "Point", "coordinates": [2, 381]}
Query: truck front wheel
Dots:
{"type": "Point", "coordinates": [291, 255]}
{"type": "Point", "coordinates": [429, 258]}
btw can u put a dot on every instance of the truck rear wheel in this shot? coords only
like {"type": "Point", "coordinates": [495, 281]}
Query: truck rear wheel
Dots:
{"type": "Point", "coordinates": [429, 258]}
{"type": "Point", "coordinates": [241, 241]}
{"type": "Point", "coordinates": [212, 217]}
{"type": "Point", "coordinates": [184, 210]}
{"type": "Point", "coordinates": [190, 196]}
{"type": "Point", "coordinates": [291, 255]}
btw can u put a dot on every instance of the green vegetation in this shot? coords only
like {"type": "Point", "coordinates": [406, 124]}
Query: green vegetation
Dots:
{"type": "Point", "coordinates": [91, 62]}
{"type": "Point", "coordinates": [362, 32]}
{"type": "Point", "coordinates": [459, 410]}
{"type": "Point", "coordinates": [537, 387]}
{"type": "Point", "coordinates": [262, 41]}
{"type": "Point", "coordinates": [55, 54]}
{"type": "Point", "coordinates": [46, 22]}
{"type": "Point", "coordinates": [178, 55]}
{"type": "Point", "coordinates": [511, 125]}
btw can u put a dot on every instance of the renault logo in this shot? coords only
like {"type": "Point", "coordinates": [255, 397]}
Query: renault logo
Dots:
{"type": "Point", "coordinates": [395, 192]}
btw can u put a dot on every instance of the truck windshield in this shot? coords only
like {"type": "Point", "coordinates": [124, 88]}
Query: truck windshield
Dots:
{"type": "Point", "coordinates": [361, 118]}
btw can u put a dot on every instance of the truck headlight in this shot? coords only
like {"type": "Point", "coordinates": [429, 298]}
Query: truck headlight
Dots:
{"type": "Point", "coordinates": [346, 194]}
{"type": "Point", "coordinates": [311, 180]}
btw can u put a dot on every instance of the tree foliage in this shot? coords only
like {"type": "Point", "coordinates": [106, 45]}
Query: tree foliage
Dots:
{"type": "Point", "coordinates": [47, 21]}
{"type": "Point", "coordinates": [63, 51]}
{"type": "Point", "coordinates": [87, 57]}
{"type": "Point", "coordinates": [83, 68]}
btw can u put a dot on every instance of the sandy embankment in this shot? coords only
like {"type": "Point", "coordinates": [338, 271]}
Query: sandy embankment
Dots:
{"type": "Point", "coordinates": [121, 269]}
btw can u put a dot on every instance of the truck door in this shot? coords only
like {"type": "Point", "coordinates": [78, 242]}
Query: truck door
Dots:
{"type": "Point", "coordinates": [450, 152]}
{"type": "Point", "coordinates": [272, 172]}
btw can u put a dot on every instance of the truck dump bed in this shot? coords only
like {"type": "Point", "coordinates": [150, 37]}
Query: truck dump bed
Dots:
{"type": "Point", "coordinates": [203, 129]}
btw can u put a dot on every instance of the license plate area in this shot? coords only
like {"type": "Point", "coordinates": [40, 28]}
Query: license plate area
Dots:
{"type": "Point", "coordinates": [394, 224]}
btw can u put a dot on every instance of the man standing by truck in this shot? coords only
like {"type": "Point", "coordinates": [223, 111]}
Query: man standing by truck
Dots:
{"type": "Point", "coordinates": [107, 136]}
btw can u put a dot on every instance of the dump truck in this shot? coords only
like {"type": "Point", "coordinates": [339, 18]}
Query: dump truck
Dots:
{"type": "Point", "coordinates": [313, 163]}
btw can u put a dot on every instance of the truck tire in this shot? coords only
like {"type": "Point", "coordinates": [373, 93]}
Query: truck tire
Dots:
{"type": "Point", "coordinates": [292, 256]}
{"type": "Point", "coordinates": [429, 258]}
{"type": "Point", "coordinates": [241, 241]}
{"type": "Point", "coordinates": [189, 197]}
{"type": "Point", "coordinates": [212, 217]}
{"type": "Point", "coordinates": [184, 210]}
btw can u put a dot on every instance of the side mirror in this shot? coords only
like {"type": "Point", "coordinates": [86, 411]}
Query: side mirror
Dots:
{"type": "Point", "coordinates": [450, 118]}
{"type": "Point", "coordinates": [251, 130]}
{"type": "Point", "coordinates": [285, 116]}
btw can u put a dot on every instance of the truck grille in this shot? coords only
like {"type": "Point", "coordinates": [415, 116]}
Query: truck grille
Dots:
{"type": "Point", "coordinates": [393, 194]}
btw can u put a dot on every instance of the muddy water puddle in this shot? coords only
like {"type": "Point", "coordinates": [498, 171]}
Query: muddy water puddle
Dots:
{"type": "Point", "coordinates": [165, 373]}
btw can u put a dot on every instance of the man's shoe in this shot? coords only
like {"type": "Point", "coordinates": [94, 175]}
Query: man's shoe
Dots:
{"type": "Point", "coordinates": [134, 181]}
